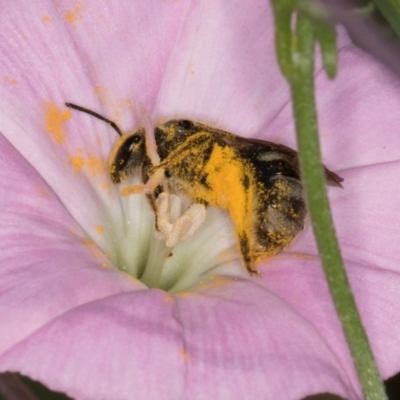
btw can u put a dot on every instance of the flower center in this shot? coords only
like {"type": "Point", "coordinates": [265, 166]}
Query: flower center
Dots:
{"type": "Point", "coordinates": [183, 252]}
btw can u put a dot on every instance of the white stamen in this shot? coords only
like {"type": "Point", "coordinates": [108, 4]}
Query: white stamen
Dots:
{"type": "Point", "coordinates": [183, 227]}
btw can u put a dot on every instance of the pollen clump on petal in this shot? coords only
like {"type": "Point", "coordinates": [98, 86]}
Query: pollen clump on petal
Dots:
{"type": "Point", "coordinates": [168, 298]}
{"type": "Point", "coordinates": [75, 14]}
{"type": "Point", "coordinates": [47, 19]}
{"type": "Point", "coordinates": [118, 106]}
{"type": "Point", "coordinates": [99, 229]}
{"type": "Point", "coordinates": [77, 162]}
{"type": "Point", "coordinates": [42, 192]}
{"type": "Point", "coordinates": [55, 119]}
{"type": "Point", "coordinates": [96, 165]}
{"type": "Point", "coordinates": [103, 94]}
{"type": "Point", "coordinates": [7, 79]}
{"type": "Point", "coordinates": [130, 277]}
{"type": "Point", "coordinates": [183, 353]}
{"type": "Point", "coordinates": [186, 294]}
{"type": "Point", "coordinates": [93, 250]}
{"type": "Point", "coordinates": [106, 187]}
{"type": "Point", "coordinates": [215, 282]}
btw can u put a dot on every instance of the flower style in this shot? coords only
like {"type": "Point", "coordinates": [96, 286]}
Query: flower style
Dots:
{"type": "Point", "coordinates": [71, 318]}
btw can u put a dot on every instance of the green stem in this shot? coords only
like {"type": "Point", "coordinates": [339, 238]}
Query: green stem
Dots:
{"type": "Point", "coordinates": [391, 11]}
{"type": "Point", "coordinates": [301, 81]}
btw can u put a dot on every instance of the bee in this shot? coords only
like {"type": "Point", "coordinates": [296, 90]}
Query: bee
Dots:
{"type": "Point", "coordinates": [257, 182]}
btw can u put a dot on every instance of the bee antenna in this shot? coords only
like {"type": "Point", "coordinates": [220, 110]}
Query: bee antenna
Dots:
{"type": "Point", "coordinates": [94, 114]}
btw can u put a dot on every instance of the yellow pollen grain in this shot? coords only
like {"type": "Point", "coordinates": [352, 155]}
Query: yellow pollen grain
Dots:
{"type": "Point", "coordinates": [227, 255]}
{"type": "Point", "coordinates": [131, 189]}
{"type": "Point", "coordinates": [118, 105]}
{"type": "Point", "coordinates": [99, 229]}
{"type": "Point", "coordinates": [186, 294]}
{"type": "Point", "coordinates": [131, 278]}
{"type": "Point", "coordinates": [9, 80]}
{"type": "Point", "coordinates": [300, 256]}
{"type": "Point", "coordinates": [42, 192]}
{"type": "Point", "coordinates": [77, 162]}
{"type": "Point", "coordinates": [216, 282]}
{"type": "Point", "coordinates": [105, 265]}
{"type": "Point", "coordinates": [47, 19]}
{"type": "Point", "coordinates": [75, 14]}
{"type": "Point", "coordinates": [96, 165]}
{"type": "Point", "coordinates": [102, 92]}
{"type": "Point", "coordinates": [106, 187]}
{"type": "Point", "coordinates": [93, 250]}
{"type": "Point", "coordinates": [87, 242]}
{"type": "Point", "coordinates": [183, 353]}
{"type": "Point", "coordinates": [168, 298]}
{"type": "Point", "coordinates": [55, 119]}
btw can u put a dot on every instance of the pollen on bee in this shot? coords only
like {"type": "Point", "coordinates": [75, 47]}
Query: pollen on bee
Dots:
{"type": "Point", "coordinates": [226, 176]}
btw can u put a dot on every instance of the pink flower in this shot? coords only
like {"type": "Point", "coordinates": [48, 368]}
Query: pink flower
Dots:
{"type": "Point", "coordinates": [70, 318]}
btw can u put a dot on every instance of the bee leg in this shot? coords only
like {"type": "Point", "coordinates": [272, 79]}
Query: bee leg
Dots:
{"type": "Point", "coordinates": [145, 188]}
{"type": "Point", "coordinates": [246, 255]}
{"type": "Point", "coordinates": [183, 227]}
{"type": "Point", "coordinates": [152, 198]}
{"type": "Point", "coordinates": [162, 216]}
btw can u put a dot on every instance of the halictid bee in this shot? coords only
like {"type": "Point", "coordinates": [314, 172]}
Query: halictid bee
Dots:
{"type": "Point", "coordinates": [255, 181]}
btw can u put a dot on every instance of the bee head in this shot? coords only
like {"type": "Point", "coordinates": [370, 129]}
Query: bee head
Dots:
{"type": "Point", "coordinates": [129, 154]}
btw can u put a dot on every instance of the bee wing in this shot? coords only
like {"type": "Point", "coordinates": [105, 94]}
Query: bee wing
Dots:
{"type": "Point", "coordinates": [333, 179]}
{"type": "Point", "coordinates": [263, 146]}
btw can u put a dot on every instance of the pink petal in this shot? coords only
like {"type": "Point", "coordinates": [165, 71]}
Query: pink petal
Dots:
{"type": "Point", "coordinates": [364, 214]}
{"type": "Point", "coordinates": [93, 332]}
{"type": "Point", "coordinates": [48, 265]}
{"type": "Point", "coordinates": [376, 293]}
{"type": "Point", "coordinates": [223, 69]}
{"type": "Point", "coordinates": [231, 348]}
{"type": "Point", "coordinates": [81, 53]}
{"type": "Point", "coordinates": [120, 347]}
{"type": "Point", "coordinates": [357, 113]}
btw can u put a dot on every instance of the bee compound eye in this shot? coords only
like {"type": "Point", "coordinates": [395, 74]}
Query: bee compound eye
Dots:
{"type": "Point", "coordinates": [185, 124]}
{"type": "Point", "coordinates": [130, 146]}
